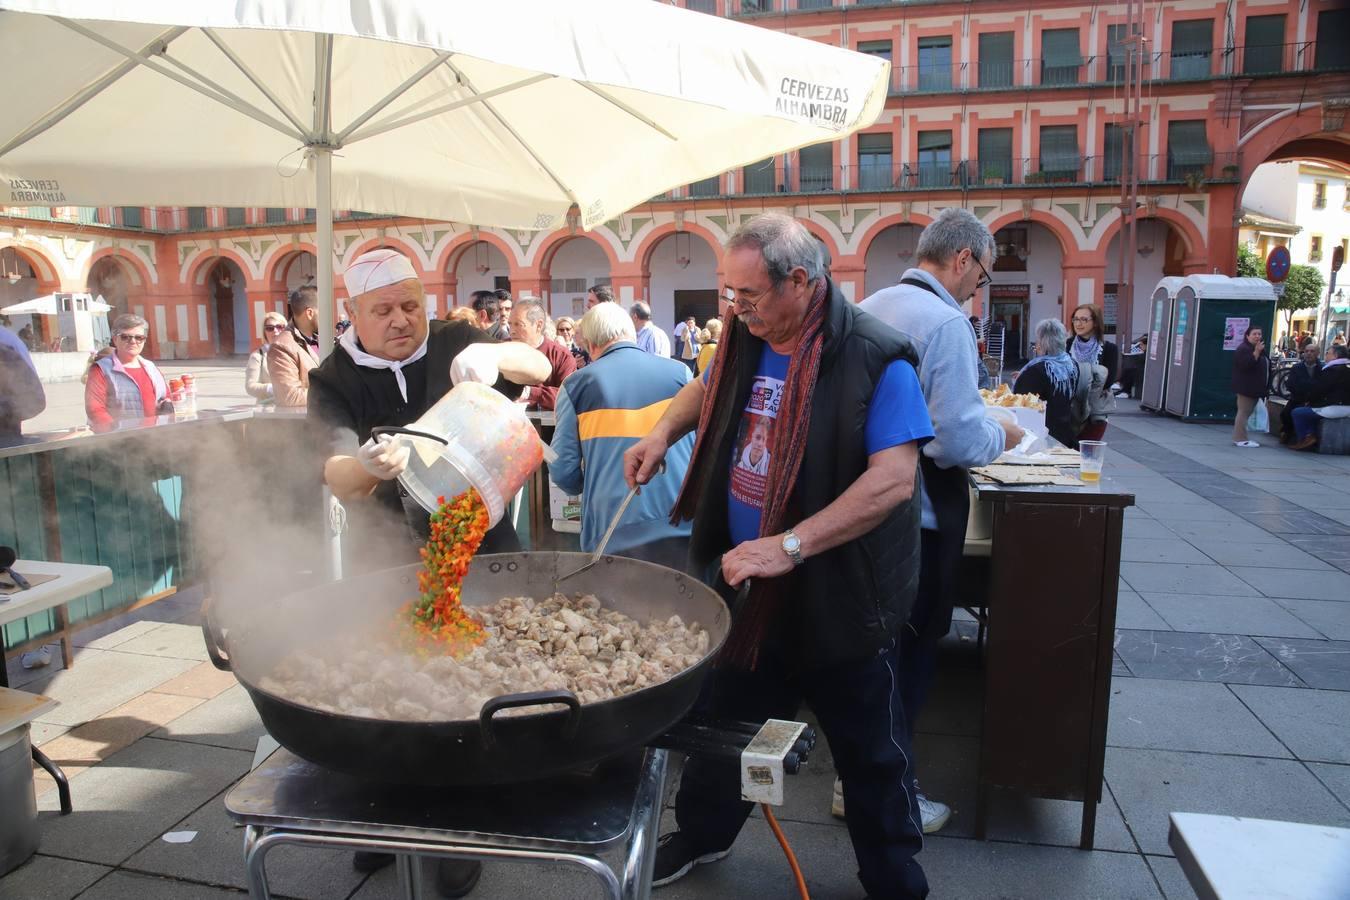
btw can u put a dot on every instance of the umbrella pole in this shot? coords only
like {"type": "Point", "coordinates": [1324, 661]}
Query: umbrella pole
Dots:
{"type": "Point", "coordinates": [323, 216]}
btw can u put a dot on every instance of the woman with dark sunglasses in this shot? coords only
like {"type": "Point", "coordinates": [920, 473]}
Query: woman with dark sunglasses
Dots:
{"type": "Point", "coordinates": [125, 385]}
{"type": "Point", "coordinates": [257, 376]}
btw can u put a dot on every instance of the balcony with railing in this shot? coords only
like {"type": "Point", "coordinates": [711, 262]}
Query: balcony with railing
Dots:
{"type": "Point", "coordinates": [1189, 169]}
{"type": "Point", "coordinates": [1039, 72]}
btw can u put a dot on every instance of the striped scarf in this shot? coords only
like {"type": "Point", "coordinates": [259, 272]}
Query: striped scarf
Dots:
{"type": "Point", "coordinates": [785, 460]}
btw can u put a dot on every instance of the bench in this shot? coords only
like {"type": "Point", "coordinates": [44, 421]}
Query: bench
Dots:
{"type": "Point", "coordinates": [1333, 436]}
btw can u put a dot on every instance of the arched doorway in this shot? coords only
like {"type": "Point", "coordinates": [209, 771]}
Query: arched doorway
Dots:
{"type": "Point", "coordinates": [480, 267]}
{"type": "Point", "coordinates": [1160, 250]}
{"type": "Point", "coordinates": [19, 283]}
{"type": "Point", "coordinates": [114, 282]}
{"type": "Point", "coordinates": [26, 274]}
{"type": "Point", "coordinates": [889, 255]}
{"type": "Point", "coordinates": [1027, 283]}
{"type": "Point", "coordinates": [298, 270]}
{"type": "Point", "coordinates": [576, 265]}
{"type": "Point", "coordinates": [228, 304]}
{"type": "Point", "coordinates": [683, 279]}
{"type": "Point", "coordinates": [1301, 204]}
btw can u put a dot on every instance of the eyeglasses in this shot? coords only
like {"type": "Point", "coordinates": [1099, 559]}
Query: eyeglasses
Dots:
{"type": "Point", "coordinates": [132, 338]}
{"type": "Point", "coordinates": [1083, 319]}
{"type": "Point", "coordinates": [274, 328]}
{"type": "Point", "coordinates": [984, 274]}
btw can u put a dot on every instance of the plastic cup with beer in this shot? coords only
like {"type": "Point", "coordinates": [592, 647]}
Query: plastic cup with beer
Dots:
{"type": "Point", "coordinates": [1093, 454]}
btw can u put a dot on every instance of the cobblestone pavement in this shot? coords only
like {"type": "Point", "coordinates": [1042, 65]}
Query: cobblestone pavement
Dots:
{"type": "Point", "coordinates": [1231, 695]}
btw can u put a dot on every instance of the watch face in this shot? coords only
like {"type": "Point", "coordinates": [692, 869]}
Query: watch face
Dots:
{"type": "Point", "coordinates": [792, 543]}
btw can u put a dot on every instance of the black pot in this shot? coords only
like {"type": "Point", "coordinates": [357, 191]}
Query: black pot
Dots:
{"type": "Point", "coordinates": [491, 749]}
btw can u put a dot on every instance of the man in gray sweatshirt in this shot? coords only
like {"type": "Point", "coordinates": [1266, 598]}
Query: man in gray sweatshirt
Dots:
{"type": "Point", "coordinates": [954, 254]}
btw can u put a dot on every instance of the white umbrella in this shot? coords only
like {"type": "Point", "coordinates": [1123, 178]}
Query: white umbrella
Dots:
{"type": "Point", "coordinates": [504, 113]}
{"type": "Point", "coordinates": [50, 305]}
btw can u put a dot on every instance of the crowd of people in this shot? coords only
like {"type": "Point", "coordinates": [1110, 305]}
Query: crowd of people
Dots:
{"type": "Point", "coordinates": [1317, 388]}
{"type": "Point", "coordinates": [805, 455]}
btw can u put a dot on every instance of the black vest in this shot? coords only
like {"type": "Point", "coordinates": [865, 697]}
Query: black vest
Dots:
{"type": "Point", "coordinates": [849, 602]}
{"type": "Point", "coordinates": [372, 398]}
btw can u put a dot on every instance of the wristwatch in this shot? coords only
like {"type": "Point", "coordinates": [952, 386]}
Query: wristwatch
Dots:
{"type": "Point", "coordinates": [792, 546]}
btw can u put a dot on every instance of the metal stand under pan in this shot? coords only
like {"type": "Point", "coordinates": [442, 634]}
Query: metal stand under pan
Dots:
{"type": "Point", "coordinates": [604, 819]}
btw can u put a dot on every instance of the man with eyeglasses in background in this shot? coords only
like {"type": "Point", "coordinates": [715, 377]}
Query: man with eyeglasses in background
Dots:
{"type": "Point", "coordinates": [295, 351]}
{"type": "Point", "coordinates": [954, 255]}
{"type": "Point", "coordinates": [125, 385]}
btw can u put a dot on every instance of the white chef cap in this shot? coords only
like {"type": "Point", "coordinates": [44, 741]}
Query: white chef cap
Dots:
{"type": "Point", "coordinates": [376, 269]}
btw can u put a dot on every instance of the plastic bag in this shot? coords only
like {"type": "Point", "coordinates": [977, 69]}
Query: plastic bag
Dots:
{"type": "Point", "coordinates": [1259, 420]}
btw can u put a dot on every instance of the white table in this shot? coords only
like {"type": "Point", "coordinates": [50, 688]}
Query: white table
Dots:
{"type": "Point", "coordinates": [72, 582]}
{"type": "Point", "coordinates": [1232, 858]}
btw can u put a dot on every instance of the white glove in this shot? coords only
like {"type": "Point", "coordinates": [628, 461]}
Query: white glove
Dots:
{"type": "Point", "coordinates": [476, 362]}
{"type": "Point", "coordinates": [384, 459]}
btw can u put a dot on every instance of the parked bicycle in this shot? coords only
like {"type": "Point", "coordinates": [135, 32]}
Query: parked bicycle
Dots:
{"type": "Point", "coordinates": [1279, 376]}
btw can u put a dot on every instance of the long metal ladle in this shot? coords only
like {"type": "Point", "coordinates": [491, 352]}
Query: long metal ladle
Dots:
{"type": "Point", "coordinates": [609, 532]}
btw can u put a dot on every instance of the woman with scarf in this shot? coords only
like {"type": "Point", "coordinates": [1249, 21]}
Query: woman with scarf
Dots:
{"type": "Point", "coordinates": [1053, 376]}
{"type": "Point", "coordinates": [1089, 345]}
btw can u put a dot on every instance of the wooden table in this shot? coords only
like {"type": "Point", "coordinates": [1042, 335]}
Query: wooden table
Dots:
{"type": "Point", "coordinates": [72, 582]}
{"type": "Point", "coordinates": [1232, 858]}
{"type": "Point", "coordinates": [1054, 564]}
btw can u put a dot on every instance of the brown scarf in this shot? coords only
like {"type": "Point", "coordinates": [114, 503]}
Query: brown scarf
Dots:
{"type": "Point", "coordinates": [785, 461]}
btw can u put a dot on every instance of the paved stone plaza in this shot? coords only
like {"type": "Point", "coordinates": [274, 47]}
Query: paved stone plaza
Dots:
{"type": "Point", "coordinates": [1231, 695]}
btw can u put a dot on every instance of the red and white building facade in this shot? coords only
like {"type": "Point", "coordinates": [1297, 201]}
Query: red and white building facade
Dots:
{"type": "Point", "coordinates": [1012, 113]}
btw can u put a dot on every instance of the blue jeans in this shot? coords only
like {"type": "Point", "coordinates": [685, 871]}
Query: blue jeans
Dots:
{"type": "Point", "coordinates": [859, 709]}
{"type": "Point", "coordinates": [1305, 422]}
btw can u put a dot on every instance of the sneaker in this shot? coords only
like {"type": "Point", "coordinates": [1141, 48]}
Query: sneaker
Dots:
{"type": "Point", "coordinates": [457, 877]}
{"type": "Point", "coordinates": [1245, 444]}
{"type": "Point", "coordinates": [369, 861]}
{"type": "Point", "coordinates": [676, 855]}
{"type": "Point", "coordinates": [36, 659]}
{"type": "Point", "coordinates": [934, 814]}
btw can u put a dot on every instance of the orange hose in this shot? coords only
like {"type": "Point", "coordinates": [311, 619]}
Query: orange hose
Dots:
{"type": "Point", "coordinates": [787, 851]}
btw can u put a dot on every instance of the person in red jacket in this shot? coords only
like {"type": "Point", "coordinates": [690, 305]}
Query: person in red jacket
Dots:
{"type": "Point", "coordinates": [527, 326]}
{"type": "Point", "coordinates": [125, 385]}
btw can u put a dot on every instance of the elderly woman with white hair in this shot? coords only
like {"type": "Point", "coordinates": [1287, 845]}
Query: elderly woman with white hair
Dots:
{"type": "Point", "coordinates": [620, 390]}
{"type": "Point", "coordinates": [257, 375]}
{"type": "Point", "coordinates": [1053, 376]}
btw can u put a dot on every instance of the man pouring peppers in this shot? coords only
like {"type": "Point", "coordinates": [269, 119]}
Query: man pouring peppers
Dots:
{"type": "Point", "coordinates": [388, 369]}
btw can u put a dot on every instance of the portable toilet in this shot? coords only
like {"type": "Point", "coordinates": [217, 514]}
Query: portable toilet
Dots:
{"type": "Point", "coordinates": [1161, 315]}
{"type": "Point", "coordinates": [1212, 313]}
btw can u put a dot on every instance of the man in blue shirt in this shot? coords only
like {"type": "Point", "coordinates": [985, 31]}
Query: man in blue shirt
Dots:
{"type": "Point", "coordinates": [649, 337]}
{"type": "Point", "coordinates": [801, 491]}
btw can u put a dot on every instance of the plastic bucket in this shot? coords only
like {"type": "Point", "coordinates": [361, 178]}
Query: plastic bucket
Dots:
{"type": "Point", "coordinates": [472, 437]}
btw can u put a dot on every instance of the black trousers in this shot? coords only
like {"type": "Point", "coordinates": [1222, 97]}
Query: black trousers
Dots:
{"type": "Point", "coordinates": [860, 712]}
{"type": "Point", "coordinates": [929, 621]}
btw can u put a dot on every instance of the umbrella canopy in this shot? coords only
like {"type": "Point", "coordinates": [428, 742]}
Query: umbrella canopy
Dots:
{"type": "Point", "coordinates": [505, 113]}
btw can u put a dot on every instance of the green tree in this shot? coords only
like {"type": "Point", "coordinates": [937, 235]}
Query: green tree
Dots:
{"type": "Point", "coordinates": [1303, 290]}
{"type": "Point", "coordinates": [1249, 263]}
